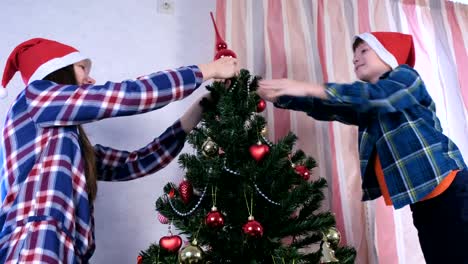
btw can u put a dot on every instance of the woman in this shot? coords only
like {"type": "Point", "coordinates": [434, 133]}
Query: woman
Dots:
{"type": "Point", "coordinates": [48, 168]}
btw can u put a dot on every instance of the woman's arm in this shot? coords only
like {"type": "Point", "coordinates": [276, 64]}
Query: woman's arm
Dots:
{"type": "Point", "coordinates": [120, 165]}
{"type": "Point", "coordinates": [117, 165]}
{"type": "Point", "coordinates": [51, 104]}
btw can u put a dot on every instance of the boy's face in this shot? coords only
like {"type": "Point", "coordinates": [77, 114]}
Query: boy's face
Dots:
{"type": "Point", "coordinates": [367, 64]}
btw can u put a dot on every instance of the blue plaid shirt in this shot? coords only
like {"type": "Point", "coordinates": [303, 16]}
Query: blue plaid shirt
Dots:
{"type": "Point", "coordinates": [397, 120]}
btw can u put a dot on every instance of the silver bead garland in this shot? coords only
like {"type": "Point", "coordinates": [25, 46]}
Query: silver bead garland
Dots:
{"type": "Point", "coordinates": [268, 142]}
{"type": "Point", "coordinates": [233, 86]}
{"type": "Point", "coordinates": [229, 170]}
{"type": "Point", "coordinates": [191, 210]}
{"type": "Point", "coordinates": [264, 196]}
{"type": "Point", "coordinates": [255, 185]}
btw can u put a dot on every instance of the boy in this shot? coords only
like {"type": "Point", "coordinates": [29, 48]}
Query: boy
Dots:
{"type": "Point", "coordinates": [404, 155]}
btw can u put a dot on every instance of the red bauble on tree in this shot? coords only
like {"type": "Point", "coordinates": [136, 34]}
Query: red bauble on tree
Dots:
{"type": "Point", "coordinates": [253, 228]}
{"type": "Point", "coordinates": [170, 243]}
{"type": "Point", "coordinates": [185, 191]}
{"type": "Point", "coordinates": [294, 215]}
{"type": "Point", "coordinates": [162, 219]}
{"type": "Point", "coordinates": [261, 105]}
{"type": "Point", "coordinates": [139, 259]}
{"type": "Point", "coordinates": [171, 193]}
{"type": "Point", "coordinates": [303, 171]}
{"type": "Point", "coordinates": [221, 152]}
{"type": "Point", "coordinates": [259, 151]}
{"type": "Point", "coordinates": [214, 219]}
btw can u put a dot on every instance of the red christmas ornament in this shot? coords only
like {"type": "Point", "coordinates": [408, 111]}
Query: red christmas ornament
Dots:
{"type": "Point", "coordinates": [221, 46]}
{"type": "Point", "coordinates": [259, 151]}
{"type": "Point", "coordinates": [162, 219]}
{"type": "Point", "coordinates": [186, 191]}
{"type": "Point", "coordinates": [303, 171]}
{"type": "Point", "coordinates": [139, 259]}
{"type": "Point", "coordinates": [171, 193]}
{"type": "Point", "coordinates": [253, 228]}
{"type": "Point", "coordinates": [170, 243]}
{"type": "Point", "coordinates": [294, 215]}
{"type": "Point", "coordinates": [221, 151]}
{"type": "Point", "coordinates": [214, 219]}
{"type": "Point", "coordinates": [261, 106]}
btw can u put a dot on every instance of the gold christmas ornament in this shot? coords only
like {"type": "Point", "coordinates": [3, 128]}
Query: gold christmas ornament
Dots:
{"type": "Point", "coordinates": [264, 132]}
{"type": "Point", "coordinates": [210, 148]}
{"type": "Point", "coordinates": [333, 236]}
{"type": "Point", "coordinates": [328, 254]}
{"type": "Point", "coordinates": [191, 254]}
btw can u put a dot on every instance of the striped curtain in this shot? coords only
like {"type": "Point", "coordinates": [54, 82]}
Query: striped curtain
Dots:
{"type": "Point", "coordinates": [310, 40]}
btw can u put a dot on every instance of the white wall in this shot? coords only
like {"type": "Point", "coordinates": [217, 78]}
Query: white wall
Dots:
{"type": "Point", "coordinates": [125, 39]}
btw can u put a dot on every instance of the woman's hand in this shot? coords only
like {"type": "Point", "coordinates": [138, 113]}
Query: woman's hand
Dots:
{"type": "Point", "coordinates": [193, 114]}
{"type": "Point", "coordinates": [223, 68]}
{"type": "Point", "coordinates": [270, 90]}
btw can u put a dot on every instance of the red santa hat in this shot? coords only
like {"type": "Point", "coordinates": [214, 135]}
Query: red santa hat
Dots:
{"type": "Point", "coordinates": [37, 58]}
{"type": "Point", "coordinates": [392, 47]}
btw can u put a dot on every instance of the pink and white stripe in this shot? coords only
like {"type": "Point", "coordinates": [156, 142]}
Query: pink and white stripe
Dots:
{"type": "Point", "coordinates": [311, 41]}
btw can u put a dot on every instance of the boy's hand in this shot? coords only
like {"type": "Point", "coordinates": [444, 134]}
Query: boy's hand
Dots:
{"type": "Point", "coordinates": [270, 90]}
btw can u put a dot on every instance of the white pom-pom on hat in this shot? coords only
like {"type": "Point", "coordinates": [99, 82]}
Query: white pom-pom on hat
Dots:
{"type": "Point", "coordinates": [3, 93]}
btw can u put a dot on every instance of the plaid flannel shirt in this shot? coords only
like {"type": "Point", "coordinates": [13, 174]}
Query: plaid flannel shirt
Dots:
{"type": "Point", "coordinates": [45, 214]}
{"type": "Point", "coordinates": [397, 120]}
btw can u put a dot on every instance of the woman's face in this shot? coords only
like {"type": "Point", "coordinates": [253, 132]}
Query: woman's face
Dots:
{"type": "Point", "coordinates": [82, 69]}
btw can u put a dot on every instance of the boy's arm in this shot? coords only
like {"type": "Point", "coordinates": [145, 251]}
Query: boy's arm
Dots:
{"type": "Point", "coordinates": [51, 104]}
{"type": "Point", "coordinates": [321, 109]}
{"type": "Point", "coordinates": [118, 165]}
{"type": "Point", "coordinates": [402, 88]}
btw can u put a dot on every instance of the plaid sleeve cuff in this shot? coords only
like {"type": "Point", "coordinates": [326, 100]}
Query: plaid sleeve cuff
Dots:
{"type": "Point", "coordinates": [352, 95]}
{"type": "Point", "coordinates": [331, 92]}
{"type": "Point", "coordinates": [283, 102]}
{"type": "Point", "coordinates": [198, 75]}
{"type": "Point", "coordinates": [304, 104]}
{"type": "Point", "coordinates": [178, 132]}
{"type": "Point", "coordinates": [341, 93]}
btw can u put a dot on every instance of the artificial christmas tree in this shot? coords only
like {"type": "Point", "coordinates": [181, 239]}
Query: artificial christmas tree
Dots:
{"type": "Point", "coordinates": [243, 196]}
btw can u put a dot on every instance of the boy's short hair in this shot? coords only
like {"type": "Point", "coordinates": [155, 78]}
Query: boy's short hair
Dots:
{"type": "Point", "coordinates": [356, 43]}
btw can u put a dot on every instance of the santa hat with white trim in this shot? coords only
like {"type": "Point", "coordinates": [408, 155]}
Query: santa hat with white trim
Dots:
{"type": "Point", "coordinates": [392, 47]}
{"type": "Point", "coordinates": [37, 58]}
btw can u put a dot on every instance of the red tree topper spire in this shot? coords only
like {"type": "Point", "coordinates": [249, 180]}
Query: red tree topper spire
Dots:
{"type": "Point", "coordinates": [221, 45]}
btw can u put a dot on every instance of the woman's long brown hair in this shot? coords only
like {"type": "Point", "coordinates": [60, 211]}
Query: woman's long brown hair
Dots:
{"type": "Point", "coordinates": [66, 75]}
